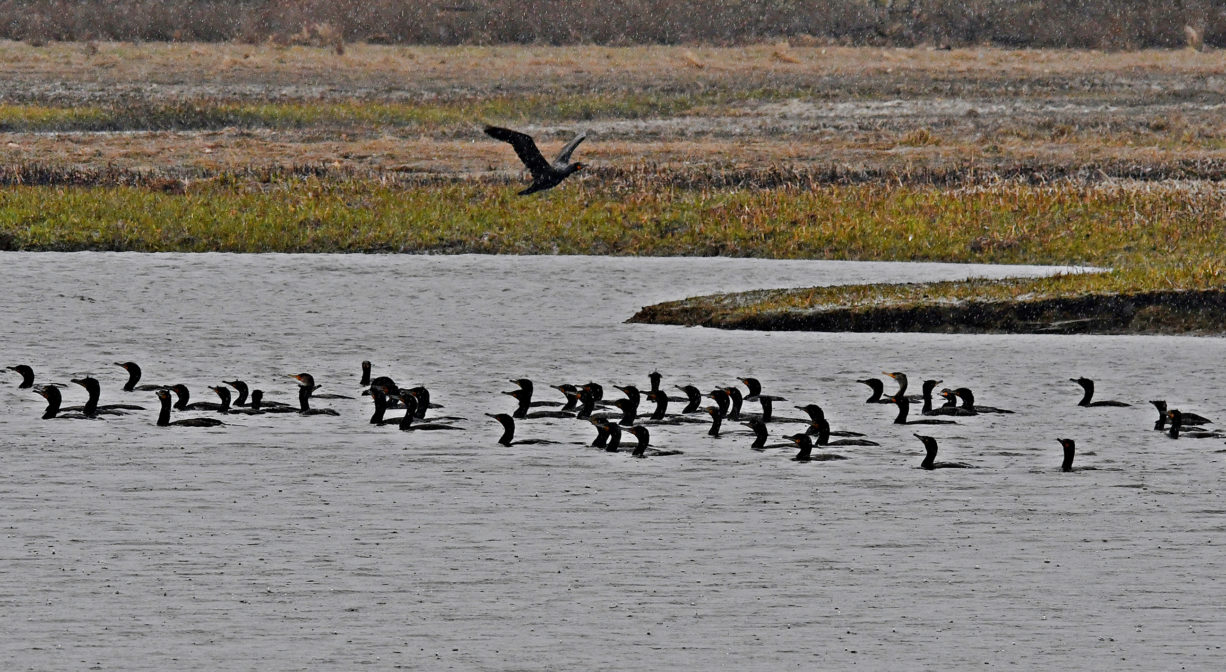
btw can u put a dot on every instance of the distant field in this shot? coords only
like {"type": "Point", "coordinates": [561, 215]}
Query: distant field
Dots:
{"type": "Point", "coordinates": [770, 150]}
{"type": "Point", "coordinates": [1101, 24]}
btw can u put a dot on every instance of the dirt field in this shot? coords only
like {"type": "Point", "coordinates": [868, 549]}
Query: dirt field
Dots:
{"type": "Point", "coordinates": [894, 111]}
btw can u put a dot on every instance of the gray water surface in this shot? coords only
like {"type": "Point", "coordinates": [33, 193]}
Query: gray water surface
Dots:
{"type": "Point", "coordinates": [283, 542]}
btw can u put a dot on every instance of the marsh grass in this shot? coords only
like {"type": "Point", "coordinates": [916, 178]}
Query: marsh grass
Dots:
{"type": "Point", "coordinates": [147, 115]}
{"type": "Point", "coordinates": [1055, 224]}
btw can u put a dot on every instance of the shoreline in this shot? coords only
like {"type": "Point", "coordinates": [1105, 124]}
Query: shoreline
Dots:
{"type": "Point", "coordinates": [1171, 312]}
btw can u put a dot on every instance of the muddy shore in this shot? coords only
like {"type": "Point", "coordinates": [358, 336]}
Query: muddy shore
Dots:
{"type": "Point", "coordinates": [1158, 312]}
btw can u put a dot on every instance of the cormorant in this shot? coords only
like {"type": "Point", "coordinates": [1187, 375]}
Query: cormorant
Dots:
{"type": "Point", "coordinates": [134, 374]}
{"type": "Point", "coordinates": [183, 396]}
{"type": "Point", "coordinates": [54, 400]}
{"type": "Point", "coordinates": [508, 432]}
{"type": "Point", "coordinates": [1087, 386]}
{"type": "Point", "coordinates": [806, 450]}
{"type": "Point", "coordinates": [545, 175]}
{"type": "Point", "coordinates": [164, 415]}
{"type": "Point", "coordinates": [930, 456]}
{"type": "Point", "coordinates": [641, 449]}
{"type": "Point", "coordinates": [1070, 450]}
{"type": "Point", "coordinates": [94, 390]}
{"type": "Point", "coordinates": [904, 408]}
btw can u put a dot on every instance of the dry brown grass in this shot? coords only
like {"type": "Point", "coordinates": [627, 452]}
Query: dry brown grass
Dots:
{"type": "Point", "coordinates": [888, 112]}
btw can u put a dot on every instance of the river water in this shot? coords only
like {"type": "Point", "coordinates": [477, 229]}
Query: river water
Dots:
{"type": "Point", "coordinates": [282, 542]}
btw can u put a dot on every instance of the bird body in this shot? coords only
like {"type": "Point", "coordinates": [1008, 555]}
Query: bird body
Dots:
{"type": "Point", "coordinates": [545, 175]}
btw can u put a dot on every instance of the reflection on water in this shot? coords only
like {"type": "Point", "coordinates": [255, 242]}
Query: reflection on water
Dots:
{"type": "Point", "coordinates": [325, 542]}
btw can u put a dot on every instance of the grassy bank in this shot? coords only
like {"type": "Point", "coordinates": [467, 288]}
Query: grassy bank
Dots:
{"type": "Point", "coordinates": [1133, 229]}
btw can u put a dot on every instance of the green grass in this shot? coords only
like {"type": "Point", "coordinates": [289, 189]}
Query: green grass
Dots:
{"type": "Point", "coordinates": [1159, 238]}
{"type": "Point", "coordinates": [436, 115]}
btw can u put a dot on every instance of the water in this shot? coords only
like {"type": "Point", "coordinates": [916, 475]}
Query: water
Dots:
{"type": "Point", "coordinates": [281, 542]}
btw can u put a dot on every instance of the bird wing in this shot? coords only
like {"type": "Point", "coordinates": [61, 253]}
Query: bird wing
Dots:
{"type": "Point", "coordinates": [525, 148]}
{"type": "Point", "coordinates": [564, 155]}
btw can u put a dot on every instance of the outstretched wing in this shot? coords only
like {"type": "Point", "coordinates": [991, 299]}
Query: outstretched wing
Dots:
{"type": "Point", "coordinates": [564, 155]}
{"type": "Point", "coordinates": [525, 148]}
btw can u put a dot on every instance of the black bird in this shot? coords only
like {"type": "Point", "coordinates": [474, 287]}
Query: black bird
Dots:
{"type": "Point", "coordinates": [968, 403]}
{"type": "Point", "coordinates": [1177, 428]}
{"type": "Point", "coordinates": [760, 435]}
{"type": "Point", "coordinates": [806, 450]}
{"type": "Point", "coordinates": [508, 432]}
{"type": "Point", "coordinates": [183, 396]}
{"type": "Point", "coordinates": [816, 414]}
{"type": "Point", "coordinates": [304, 402]}
{"type": "Point", "coordinates": [411, 401]}
{"type": "Point", "coordinates": [608, 434]}
{"type": "Point", "coordinates": [1188, 418]}
{"type": "Point", "coordinates": [164, 415]}
{"type": "Point", "coordinates": [54, 400]}
{"type": "Point", "coordinates": [904, 408]}
{"type": "Point", "coordinates": [660, 415]}
{"type": "Point", "coordinates": [94, 390]}
{"type": "Point", "coordinates": [717, 418]}
{"type": "Point", "coordinates": [878, 389]}
{"type": "Point", "coordinates": [950, 407]}
{"type": "Point", "coordinates": [902, 385]}
{"type": "Point", "coordinates": [27, 376]}
{"type": "Point", "coordinates": [364, 381]}
{"type": "Point", "coordinates": [545, 175]}
{"type": "Point", "coordinates": [641, 449]}
{"type": "Point", "coordinates": [1070, 450]}
{"type": "Point", "coordinates": [693, 399]}
{"type": "Point", "coordinates": [134, 374]}
{"type": "Point", "coordinates": [930, 456]}
{"type": "Point", "coordinates": [258, 404]}
{"type": "Point", "coordinates": [307, 380]}
{"type": "Point", "coordinates": [1088, 386]}
{"type": "Point", "coordinates": [524, 399]}
{"type": "Point", "coordinates": [526, 385]}
{"type": "Point", "coordinates": [223, 393]}
{"type": "Point", "coordinates": [241, 401]}
{"type": "Point", "coordinates": [823, 436]}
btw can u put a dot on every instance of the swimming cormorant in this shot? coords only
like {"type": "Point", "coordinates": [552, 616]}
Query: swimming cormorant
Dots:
{"type": "Point", "coordinates": [815, 414]}
{"type": "Point", "coordinates": [545, 175]}
{"type": "Point", "coordinates": [904, 408]}
{"type": "Point", "coordinates": [968, 402]}
{"type": "Point", "coordinates": [242, 401]}
{"type": "Point", "coordinates": [823, 436]}
{"type": "Point", "coordinates": [304, 402]}
{"type": "Point", "coordinates": [1070, 450]}
{"type": "Point", "coordinates": [94, 390]}
{"type": "Point", "coordinates": [164, 415]}
{"type": "Point", "coordinates": [1177, 429]}
{"type": "Point", "coordinates": [1188, 418]}
{"type": "Point", "coordinates": [1087, 386]}
{"type": "Point", "coordinates": [27, 375]}
{"type": "Point", "coordinates": [930, 456]}
{"type": "Point", "coordinates": [693, 399]}
{"type": "Point", "coordinates": [523, 398]}
{"type": "Point", "coordinates": [54, 400]}
{"type": "Point", "coordinates": [224, 407]}
{"type": "Point", "coordinates": [641, 449]}
{"type": "Point", "coordinates": [806, 450]}
{"type": "Point", "coordinates": [508, 432]}
{"type": "Point", "coordinates": [760, 435]}
{"type": "Point", "coordinates": [183, 396]}
{"type": "Point", "coordinates": [134, 374]}
{"type": "Point", "coordinates": [410, 402]}
{"type": "Point", "coordinates": [307, 380]}
{"type": "Point", "coordinates": [878, 389]}
{"type": "Point", "coordinates": [717, 418]}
